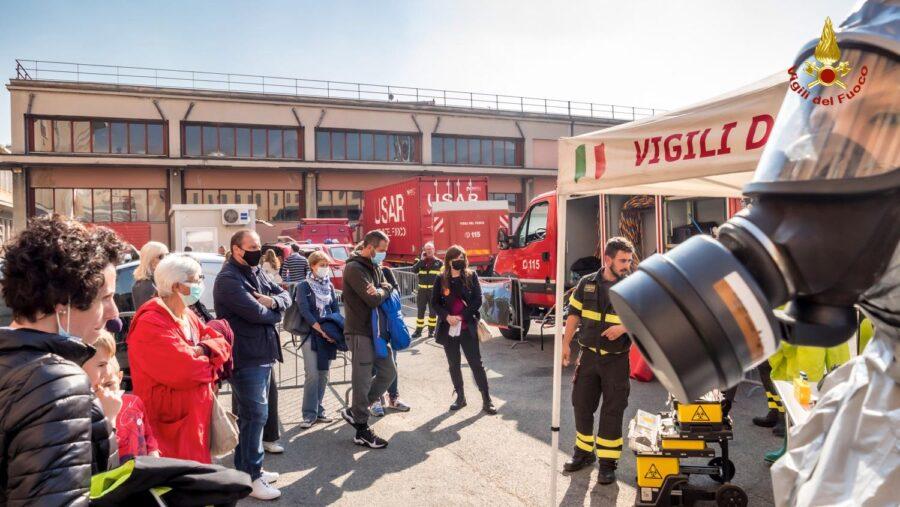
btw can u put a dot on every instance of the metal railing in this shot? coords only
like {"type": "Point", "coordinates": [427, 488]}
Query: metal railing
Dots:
{"type": "Point", "coordinates": [253, 83]}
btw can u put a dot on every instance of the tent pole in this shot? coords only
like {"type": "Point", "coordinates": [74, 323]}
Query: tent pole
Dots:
{"type": "Point", "coordinates": [561, 209]}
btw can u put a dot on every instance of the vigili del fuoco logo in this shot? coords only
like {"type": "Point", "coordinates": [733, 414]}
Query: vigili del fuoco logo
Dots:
{"type": "Point", "coordinates": [826, 70]}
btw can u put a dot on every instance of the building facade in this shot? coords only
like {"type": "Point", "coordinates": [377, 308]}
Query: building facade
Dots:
{"type": "Point", "coordinates": [122, 154]}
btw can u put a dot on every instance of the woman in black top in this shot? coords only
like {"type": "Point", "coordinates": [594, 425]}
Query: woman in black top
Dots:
{"type": "Point", "coordinates": [456, 299]}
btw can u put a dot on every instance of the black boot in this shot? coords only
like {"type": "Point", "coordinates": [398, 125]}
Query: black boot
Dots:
{"type": "Point", "coordinates": [460, 401]}
{"type": "Point", "coordinates": [431, 332]}
{"type": "Point", "coordinates": [418, 333]}
{"type": "Point", "coordinates": [607, 474]}
{"type": "Point", "coordinates": [579, 460]}
{"type": "Point", "coordinates": [767, 421]}
{"type": "Point", "coordinates": [488, 405]}
{"type": "Point", "coordinates": [778, 429]}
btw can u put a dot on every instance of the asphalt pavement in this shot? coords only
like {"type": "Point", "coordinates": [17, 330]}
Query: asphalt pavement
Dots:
{"type": "Point", "coordinates": [437, 457]}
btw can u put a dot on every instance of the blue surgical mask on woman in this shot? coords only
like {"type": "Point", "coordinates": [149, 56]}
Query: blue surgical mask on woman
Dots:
{"type": "Point", "coordinates": [194, 295]}
{"type": "Point", "coordinates": [379, 257]}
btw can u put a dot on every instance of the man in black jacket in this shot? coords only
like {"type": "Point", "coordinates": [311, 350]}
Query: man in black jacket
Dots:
{"type": "Point", "coordinates": [253, 305]}
{"type": "Point", "coordinates": [364, 290]}
{"type": "Point", "coordinates": [59, 281]}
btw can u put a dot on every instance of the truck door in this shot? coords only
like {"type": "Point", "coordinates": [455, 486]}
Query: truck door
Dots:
{"type": "Point", "coordinates": [534, 251]}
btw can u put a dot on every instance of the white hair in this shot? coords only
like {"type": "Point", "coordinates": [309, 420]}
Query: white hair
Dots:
{"type": "Point", "coordinates": [151, 250]}
{"type": "Point", "coordinates": [429, 244]}
{"type": "Point", "coordinates": [174, 269]}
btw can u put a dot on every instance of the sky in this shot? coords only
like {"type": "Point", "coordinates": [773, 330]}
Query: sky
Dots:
{"type": "Point", "coordinates": [648, 53]}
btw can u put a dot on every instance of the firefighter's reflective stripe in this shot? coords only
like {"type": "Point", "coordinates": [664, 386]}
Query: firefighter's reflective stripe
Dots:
{"type": "Point", "coordinates": [574, 303]}
{"type": "Point", "coordinates": [584, 442]}
{"type": "Point", "coordinates": [610, 443]}
{"type": "Point", "coordinates": [609, 449]}
{"type": "Point", "coordinates": [598, 351]}
{"type": "Point", "coordinates": [591, 314]}
{"type": "Point", "coordinates": [775, 402]}
{"type": "Point", "coordinates": [432, 272]}
{"type": "Point", "coordinates": [432, 322]}
{"type": "Point", "coordinates": [424, 286]}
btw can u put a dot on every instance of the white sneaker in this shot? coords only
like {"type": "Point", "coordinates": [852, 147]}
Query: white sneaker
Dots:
{"type": "Point", "coordinates": [262, 490]}
{"type": "Point", "coordinates": [270, 477]}
{"type": "Point", "coordinates": [306, 424]}
{"type": "Point", "coordinates": [273, 447]}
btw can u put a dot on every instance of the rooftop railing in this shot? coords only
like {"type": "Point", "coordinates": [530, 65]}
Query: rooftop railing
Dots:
{"type": "Point", "coordinates": [252, 83]}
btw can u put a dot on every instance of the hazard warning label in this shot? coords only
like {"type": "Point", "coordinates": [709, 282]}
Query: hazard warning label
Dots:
{"type": "Point", "coordinates": [700, 415]}
{"type": "Point", "coordinates": [653, 473]}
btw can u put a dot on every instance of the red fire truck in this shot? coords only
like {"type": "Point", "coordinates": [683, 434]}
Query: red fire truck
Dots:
{"type": "Point", "coordinates": [474, 226]}
{"type": "Point", "coordinates": [403, 210]}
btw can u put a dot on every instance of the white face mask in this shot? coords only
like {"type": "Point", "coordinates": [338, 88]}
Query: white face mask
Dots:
{"type": "Point", "coordinates": [321, 272]}
{"type": "Point", "coordinates": [65, 332]}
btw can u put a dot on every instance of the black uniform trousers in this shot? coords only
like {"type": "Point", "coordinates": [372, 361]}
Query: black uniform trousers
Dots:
{"type": "Point", "coordinates": [601, 376]}
{"type": "Point", "coordinates": [765, 374]}
{"type": "Point", "coordinates": [423, 300]}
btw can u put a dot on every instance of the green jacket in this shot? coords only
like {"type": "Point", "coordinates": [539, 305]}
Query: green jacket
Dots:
{"type": "Point", "coordinates": [789, 360]}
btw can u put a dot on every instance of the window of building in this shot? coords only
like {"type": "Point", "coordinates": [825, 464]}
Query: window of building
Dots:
{"type": "Point", "coordinates": [476, 151]}
{"type": "Point", "coordinates": [271, 205]}
{"type": "Point", "coordinates": [235, 141]}
{"type": "Point", "coordinates": [339, 204]}
{"type": "Point", "coordinates": [512, 199]}
{"type": "Point", "coordinates": [367, 146]}
{"type": "Point", "coordinates": [125, 137]}
{"type": "Point", "coordinates": [102, 204]}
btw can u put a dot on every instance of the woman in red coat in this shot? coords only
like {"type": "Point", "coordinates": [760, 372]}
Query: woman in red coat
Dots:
{"type": "Point", "coordinates": [174, 358]}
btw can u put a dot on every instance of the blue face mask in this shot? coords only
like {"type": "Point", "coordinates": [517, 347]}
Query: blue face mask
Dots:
{"type": "Point", "coordinates": [194, 296]}
{"type": "Point", "coordinates": [379, 257]}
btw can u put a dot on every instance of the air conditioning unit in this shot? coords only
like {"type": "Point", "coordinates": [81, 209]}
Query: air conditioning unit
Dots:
{"type": "Point", "coordinates": [232, 216]}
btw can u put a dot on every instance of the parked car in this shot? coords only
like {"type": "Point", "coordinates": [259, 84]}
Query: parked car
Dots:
{"type": "Point", "coordinates": [210, 264]}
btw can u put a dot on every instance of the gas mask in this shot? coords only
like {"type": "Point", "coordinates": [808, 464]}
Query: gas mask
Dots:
{"type": "Point", "coordinates": [822, 228]}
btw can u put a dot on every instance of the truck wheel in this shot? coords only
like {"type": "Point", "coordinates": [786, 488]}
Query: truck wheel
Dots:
{"type": "Point", "coordinates": [516, 334]}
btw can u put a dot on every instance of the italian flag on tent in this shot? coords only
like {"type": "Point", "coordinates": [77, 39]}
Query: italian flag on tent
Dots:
{"type": "Point", "coordinates": [593, 166]}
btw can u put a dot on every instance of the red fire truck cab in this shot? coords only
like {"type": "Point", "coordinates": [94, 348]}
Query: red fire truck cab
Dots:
{"type": "Point", "coordinates": [655, 224]}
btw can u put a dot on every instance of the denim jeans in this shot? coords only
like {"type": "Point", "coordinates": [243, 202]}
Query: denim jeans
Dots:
{"type": "Point", "coordinates": [250, 388]}
{"type": "Point", "coordinates": [314, 385]}
{"type": "Point", "coordinates": [272, 430]}
{"type": "Point", "coordinates": [392, 391]}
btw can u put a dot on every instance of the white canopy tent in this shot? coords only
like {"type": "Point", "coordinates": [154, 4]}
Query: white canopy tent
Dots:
{"type": "Point", "coordinates": [706, 150]}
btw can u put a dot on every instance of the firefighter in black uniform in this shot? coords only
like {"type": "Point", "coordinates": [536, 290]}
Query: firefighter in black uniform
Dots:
{"type": "Point", "coordinates": [603, 366]}
{"type": "Point", "coordinates": [428, 267]}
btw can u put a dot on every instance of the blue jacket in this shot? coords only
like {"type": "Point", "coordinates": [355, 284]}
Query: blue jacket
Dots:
{"type": "Point", "coordinates": [391, 326]}
{"type": "Point", "coordinates": [307, 301]}
{"type": "Point", "coordinates": [256, 340]}
{"type": "Point", "coordinates": [333, 325]}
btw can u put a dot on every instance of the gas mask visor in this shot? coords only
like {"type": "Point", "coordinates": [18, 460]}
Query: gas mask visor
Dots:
{"type": "Point", "coordinates": [702, 314]}
{"type": "Point", "coordinates": [843, 138]}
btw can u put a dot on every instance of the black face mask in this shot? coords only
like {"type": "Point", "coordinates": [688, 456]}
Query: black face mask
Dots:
{"type": "Point", "coordinates": [252, 257]}
{"type": "Point", "coordinates": [458, 264]}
